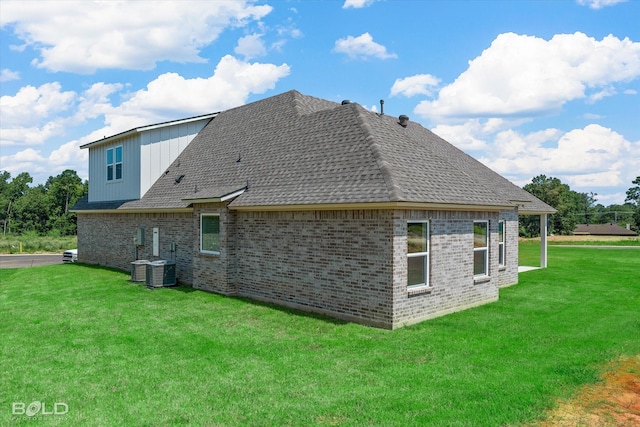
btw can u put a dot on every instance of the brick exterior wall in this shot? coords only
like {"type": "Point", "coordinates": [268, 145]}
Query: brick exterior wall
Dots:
{"type": "Point", "coordinates": [107, 239]}
{"type": "Point", "coordinates": [452, 285]}
{"type": "Point", "coordinates": [334, 262]}
{"type": "Point", "coordinates": [348, 264]}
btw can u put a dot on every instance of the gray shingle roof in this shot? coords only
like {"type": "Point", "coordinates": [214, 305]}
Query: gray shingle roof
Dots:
{"type": "Point", "coordinates": [293, 149]}
{"type": "Point", "coordinates": [603, 230]}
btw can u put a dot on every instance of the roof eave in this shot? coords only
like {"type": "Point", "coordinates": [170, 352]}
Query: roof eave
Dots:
{"type": "Point", "coordinates": [374, 205]}
{"type": "Point", "coordinates": [133, 210]}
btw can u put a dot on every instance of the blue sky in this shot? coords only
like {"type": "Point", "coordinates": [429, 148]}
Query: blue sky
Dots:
{"type": "Point", "coordinates": [527, 87]}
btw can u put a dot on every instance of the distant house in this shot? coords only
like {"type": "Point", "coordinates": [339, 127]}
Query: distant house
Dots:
{"type": "Point", "coordinates": [309, 204]}
{"type": "Point", "coordinates": [603, 230]}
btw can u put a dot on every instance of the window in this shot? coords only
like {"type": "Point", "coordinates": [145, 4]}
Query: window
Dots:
{"type": "Point", "coordinates": [501, 254]}
{"type": "Point", "coordinates": [210, 233]}
{"type": "Point", "coordinates": [480, 248]}
{"type": "Point", "coordinates": [114, 163]}
{"type": "Point", "coordinates": [418, 254]}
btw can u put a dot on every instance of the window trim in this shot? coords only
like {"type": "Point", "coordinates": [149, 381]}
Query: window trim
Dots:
{"type": "Point", "coordinates": [502, 254]}
{"type": "Point", "coordinates": [425, 254]}
{"type": "Point", "coordinates": [479, 249]}
{"type": "Point", "coordinates": [114, 163]}
{"type": "Point", "coordinates": [206, 251]}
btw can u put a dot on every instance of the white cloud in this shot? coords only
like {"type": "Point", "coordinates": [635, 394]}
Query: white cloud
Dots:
{"type": "Point", "coordinates": [357, 4]}
{"type": "Point", "coordinates": [171, 96]}
{"type": "Point", "coordinates": [7, 75]}
{"type": "Point", "coordinates": [420, 84]}
{"type": "Point", "coordinates": [475, 134]}
{"type": "Point", "coordinates": [32, 104]}
{"type": "Point", "coordinates": [40, 114]}
{"type": "Point", "coordinates": [599, 4]}
{"type": "Point", "coordinates": [595, 97]}
{"type": "Point", "coordinates": [594, 158]}
{"type": "Point", "coordinates": [526, 76]}
{"type": "Point", "coordinates": [129, 35]}
{"type": "Point", "coordinates": [586, 159]}
{"type": "Point", "coordinates": [27, 160]}
{"type": "Point", "coordinates": [251, 46]}
{"type": "Point", "coordinates": [467, 137]}
{"type": "Point", "coordinates": [34, 115]}
{"type": "Point", "coordinates": [68, 156]}
{"type": "Point", "coordinates": [630, 92]}
{"type": "Point", "coordinates": [362, 47]}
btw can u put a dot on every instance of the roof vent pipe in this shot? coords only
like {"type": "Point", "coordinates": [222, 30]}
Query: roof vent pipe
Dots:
{"type": "Point", "coordinates": [382, 107]}
{"type": "Point", "coordinates": [404, 119]}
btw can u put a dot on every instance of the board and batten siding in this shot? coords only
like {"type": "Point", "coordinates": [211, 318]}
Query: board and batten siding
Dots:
{"type": "Point", "coordinates": [145, 156]}
{"type": "Point", "coordinates": [160, 147]}
{"type": "Point", "coordinates": [126, 188]}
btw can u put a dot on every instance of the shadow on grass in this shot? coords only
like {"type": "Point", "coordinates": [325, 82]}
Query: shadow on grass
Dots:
{"type": "Point", "coordinates": [294, 311]}
{"type": "Point", "coordinates": [188, 289]}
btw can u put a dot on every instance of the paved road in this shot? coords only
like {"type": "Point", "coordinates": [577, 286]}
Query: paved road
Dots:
{"type": "Point", "coordinates": [19, 261]}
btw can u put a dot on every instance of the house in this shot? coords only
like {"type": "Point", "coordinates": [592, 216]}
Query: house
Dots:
{"type": "Point", "coordinates": [310, 204]}
{"type": "Point", "coordinates": [610, 229]}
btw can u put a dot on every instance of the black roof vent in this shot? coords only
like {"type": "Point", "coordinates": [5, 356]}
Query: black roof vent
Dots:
{"type": "Point", "coordinates": [178, 179]}
{"type": "Point", "coordinates": [404, 119]}
{"type": "Point", "coordinates": [345, 102]}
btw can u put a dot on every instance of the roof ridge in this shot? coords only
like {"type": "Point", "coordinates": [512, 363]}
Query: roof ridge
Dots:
{"type": "Point", "coordinates": [393, 189]}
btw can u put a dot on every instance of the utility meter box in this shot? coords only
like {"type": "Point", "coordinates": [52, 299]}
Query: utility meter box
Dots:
{"type": "Point", "coordinates": [139, 237]}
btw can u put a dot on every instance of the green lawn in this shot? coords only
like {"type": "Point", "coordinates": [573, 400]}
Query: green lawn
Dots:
{"type": "Point", "coordinates": [117, 353]}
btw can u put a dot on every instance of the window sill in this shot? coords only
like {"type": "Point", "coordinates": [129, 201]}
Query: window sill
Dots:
{"type": "Point", "coordinates": [502, 268]}
{"type": "Point", "coordinates": [211, 254]}
{"type": "Point", "coordinates": [481, 279]}
{"type": "Point", "coordinates": [417, 290]}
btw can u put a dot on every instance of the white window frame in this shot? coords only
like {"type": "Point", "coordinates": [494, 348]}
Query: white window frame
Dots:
{"type": "Point", "coordinates": [208, 251]}
{"type": "Point", "coordinates": [502, 255]}
{"type": "Point", "coordinates": [425, 255]}
{"type": "Point", "coordinates": [114, 164]}
{"type": "Point", "coordinates": [480, 249]}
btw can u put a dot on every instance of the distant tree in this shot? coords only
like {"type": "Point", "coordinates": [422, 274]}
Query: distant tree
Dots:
{"type": "Point", "coordinates": [633, 197]}
{"type": "Point", "coordinates": [11, 193]}
{"type": "Point", "coordinates": [586, 202]}
{"type": "Point", "coordinates": [5, 192]}
{"type": "Point", "coordinates": [558, 195]}
{"type": "Point", "coordinates": [32, 212]}
{"type": "Point", "coordinates": [615, 214]}
{"type": "Point", "coordinates": [63, 191]}
{"type": "Point", "coordinates": [633, 194]}
{"type": "Point", "coordinates": [42, 209]}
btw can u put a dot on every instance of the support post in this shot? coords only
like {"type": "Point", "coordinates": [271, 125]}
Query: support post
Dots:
{"type": "Point", "coordinates": [543, 240]}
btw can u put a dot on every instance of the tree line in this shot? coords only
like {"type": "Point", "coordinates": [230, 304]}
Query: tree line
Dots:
{"type": "Point", "coordinates": [578, 208]}
{"type": "Point", "coordinates": [44, 208]}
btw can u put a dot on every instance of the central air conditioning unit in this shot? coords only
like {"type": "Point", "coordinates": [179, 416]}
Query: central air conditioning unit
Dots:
{"type": "Point", "coordinates": [139, 270]}
{"type": "Point", "coordinates": [161, 273]}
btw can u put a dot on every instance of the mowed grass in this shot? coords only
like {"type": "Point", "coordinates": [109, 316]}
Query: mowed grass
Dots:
{"type": "Point", "coordinates": [119, 354]}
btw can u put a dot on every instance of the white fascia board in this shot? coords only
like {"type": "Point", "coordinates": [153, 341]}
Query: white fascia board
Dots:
{"type": "Point", "coordinates": [146, 128]}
